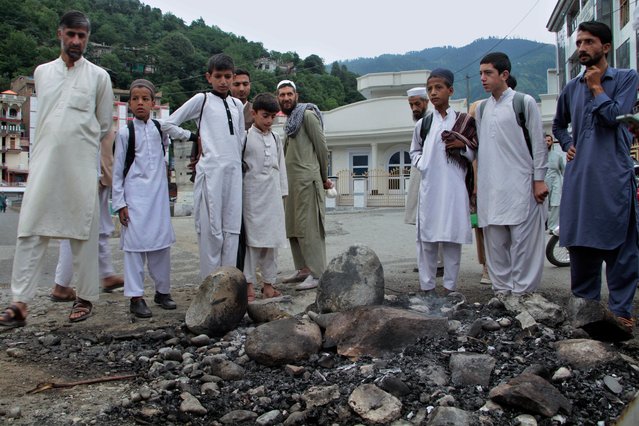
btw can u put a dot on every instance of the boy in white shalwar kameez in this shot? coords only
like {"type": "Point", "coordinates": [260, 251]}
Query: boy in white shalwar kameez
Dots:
{"type": "Point", "coordinates": [140, 196]}
{"type": "Point", "coordinates": [443, 214]}
{"type": "Point", "coordinates": [217, 190]}
{"type": "Point", "coordinates": [265, 185]}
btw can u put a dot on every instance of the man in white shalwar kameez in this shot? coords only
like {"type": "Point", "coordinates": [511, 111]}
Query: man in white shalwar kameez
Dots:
{"type": "Point", "coordinates": [62, 290]}
{"type": "Point", "coordinates": [443, 214]}
{"type": "Point", "coordinates": [510, 183]}
{"type": "Point", "coordinates": [75, 109]}
{"type": "Point", "coordinates": [217, 191]}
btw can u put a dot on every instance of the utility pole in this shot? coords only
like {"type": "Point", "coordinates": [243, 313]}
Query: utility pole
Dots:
{"type": "Point", "coordinates": [467, 93]}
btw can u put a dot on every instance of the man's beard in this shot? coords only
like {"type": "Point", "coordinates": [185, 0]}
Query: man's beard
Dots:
{"type": "Point", "coordinates": [417, 116]}
{"type": "Point", "coordinates": [589, 61]}
{"type": "Point", "coordinates": [73, 54]}
{"type": "Point", "coordinates": [288, 111]}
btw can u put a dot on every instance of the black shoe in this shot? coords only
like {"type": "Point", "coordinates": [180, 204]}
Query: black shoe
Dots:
{"type": "Point", "coordinates": [139, 309]}
{"type": "Point", "coordinates": [164, 300]}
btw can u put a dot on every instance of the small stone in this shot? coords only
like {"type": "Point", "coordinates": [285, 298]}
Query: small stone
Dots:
{"type": "Point", "coordinates": [504, 322]}
{"type": "Point", "coordinates": [49, 340]}
{"type": "Point", "coordinates": [446, 401]}
{"type": "Point", "coordinates": [200, 340]}
{"type": "Point", "coordinates": [145, 393]}
{"type": "Point", "coordinates": [210, 388]}
{"type": "Point", "coordinates": [136, 397]}
{"type": "Point", "coordinates": [613, 384]}
{"type": "Point", "coordinates": [562, 373]}
{"type": "Point", "coordinates": [525, 420]}
{"type": "Point", "coordinates": [14, 413]}
{"type": "Point", "coordinates": [190, 404]}
{"type": "Point", "coordinates": [173, 355]}
{"type": "Point", "coordinates": [270, 418]}
{"type": "Point", "coordinates": [294, 370]}
{"type": "Point", "coordinates": [16, 352]}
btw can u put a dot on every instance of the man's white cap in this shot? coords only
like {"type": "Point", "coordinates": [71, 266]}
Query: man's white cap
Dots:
{"type": "Point", "coordinates": [416, 91]}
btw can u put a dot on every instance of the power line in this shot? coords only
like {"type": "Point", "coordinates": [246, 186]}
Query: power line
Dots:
{"type": "Point", "coordinates": [500, 41]}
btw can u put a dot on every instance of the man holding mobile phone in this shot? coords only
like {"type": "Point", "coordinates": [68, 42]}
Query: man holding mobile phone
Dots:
{"type": "Point", "coordinates": [598, 218]}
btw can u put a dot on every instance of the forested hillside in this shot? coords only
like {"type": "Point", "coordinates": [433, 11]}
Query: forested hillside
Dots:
{"type": "Point", "coordinates": [135, 40]}
{"type": "Point", "coordinates": [135, 37]}
{"type": "Point", "coordinates": [530, 60]}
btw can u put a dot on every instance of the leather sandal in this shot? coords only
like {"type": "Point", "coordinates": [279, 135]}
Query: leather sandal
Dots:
{"type": "Point", "coordinates": [12, 317]}
{"type": "Point", "coordinates": [82, 308]}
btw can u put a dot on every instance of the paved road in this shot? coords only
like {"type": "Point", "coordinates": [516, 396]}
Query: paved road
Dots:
{"type": "Point", "coordinates": [383, 230]}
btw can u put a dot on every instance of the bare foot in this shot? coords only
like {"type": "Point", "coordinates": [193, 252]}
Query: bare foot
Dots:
{"type": "Point", "coordinates": [62, 294]}
{"type": "Point", "coordinates": [268, 291]}
{"type": "Point", "coordinates": [250, 292]}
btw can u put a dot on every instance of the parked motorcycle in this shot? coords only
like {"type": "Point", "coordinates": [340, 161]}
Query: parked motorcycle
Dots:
{"type": "Point", "coordinates": [556, 254]}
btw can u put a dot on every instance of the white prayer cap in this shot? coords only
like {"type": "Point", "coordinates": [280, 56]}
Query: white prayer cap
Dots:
{"type": "Point", "coordinates": [416, 91]}
{"type": "Point", "coordinates": [287, 83]}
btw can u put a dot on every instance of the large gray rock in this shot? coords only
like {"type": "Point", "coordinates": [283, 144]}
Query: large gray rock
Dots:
{"type": "Point", "coordinates": [531, 393]}
{"type": "Point", "coordinates": [283, 341]}
{"type": "Point", "coordinates": [354, 278]}
{"type": "Point", "coordinates": [447, 416]}
{"type": "Point", "coordinates": [380, 330]}
{"type": "Point", "coordinates": [593, 317]}
{"type": "Point", "coordinates": [374, 405]}
{"type": "Point", "coordinates": [585, 353]}
{"type": "Point", "coordinates": [469, 369]}
{"type": "Point", "coordinates": [220, 303]}
{"type": "Point", "coordinates": [540, 308]}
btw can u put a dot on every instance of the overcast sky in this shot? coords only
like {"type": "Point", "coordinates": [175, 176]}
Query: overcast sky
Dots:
{"type": "Point", "coordinates": [348, 29]}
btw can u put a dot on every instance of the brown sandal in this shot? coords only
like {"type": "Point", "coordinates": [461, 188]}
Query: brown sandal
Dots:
{"type": "Point", "coordinates": [82, 307]}
{"type": "Point", "coordinates": [12, 317]}
{"type": "Point", "coordinates": [273, 293]}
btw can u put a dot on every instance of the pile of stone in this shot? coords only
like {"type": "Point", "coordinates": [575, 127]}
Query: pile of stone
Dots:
{"type": "Point", "coordinates": [356, 356]}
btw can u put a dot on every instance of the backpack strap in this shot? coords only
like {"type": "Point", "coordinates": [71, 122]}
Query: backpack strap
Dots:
{"type": "Point", "coordinates": [427, 121]}
{"type": "Point", "coordinates": [480, 109]}
{"type": "Point", "coordinates": [130, 149]}
{"type": "Point", "coordinates": [519, 105]}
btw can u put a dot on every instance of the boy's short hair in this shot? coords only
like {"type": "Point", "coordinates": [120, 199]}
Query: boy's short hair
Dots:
{"type": "Point", "coordinates": [143, 83]}
{"type": "Point", "coordinates": [499, 60]}
{"type": "Point", "coordinates": [598, 29]}
{"type": "Point", "coordinates": [266, 102]}
{"type": "Point", "coordinates": [220, 62]}
{"type": "Point", "coordinates": [242, 71]}
{"type": "Point", "coordinates": [75, 19]}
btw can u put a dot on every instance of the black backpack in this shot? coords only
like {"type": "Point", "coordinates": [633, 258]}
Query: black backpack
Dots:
{"type": "Point", "coordinates": [130, 150]}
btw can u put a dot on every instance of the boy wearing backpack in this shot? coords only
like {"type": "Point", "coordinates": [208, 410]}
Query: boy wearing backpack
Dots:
{"type": "Point", "coordinates": [442, 150]}
{"type": "Point", "coordinates": [217, 190]}
{"type": "Point", "coordinates": [140, 196]}
{"type": "Point", "coordinates": [511, 166]}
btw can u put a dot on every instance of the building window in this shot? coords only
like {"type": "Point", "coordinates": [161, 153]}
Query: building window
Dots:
{"type": "Point", "coordinates": [330, 163]}
{"type": "Point", "coordinates": [399, 163]}
{"type": "Point", "coordinates": [624, 12]}
{"type": "Point", "coordinates": [623, 55]}
{"type": "Point", "coordinates": [359, 164]}
{"type": "Point", "coordinates": [573, 14]}
{"type": "Point", "coordinates": [398, 169]}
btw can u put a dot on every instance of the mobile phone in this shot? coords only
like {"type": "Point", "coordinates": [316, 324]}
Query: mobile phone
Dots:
{"type": "Point", "coordinates": [628, 119]}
